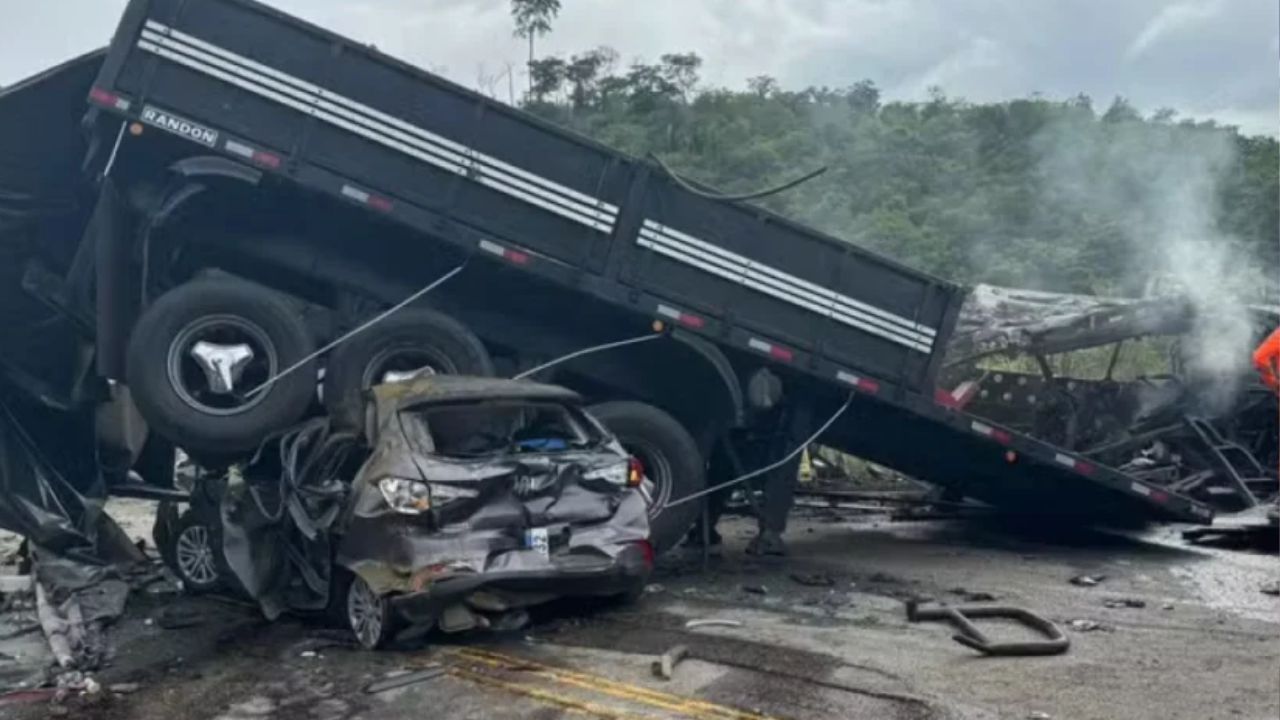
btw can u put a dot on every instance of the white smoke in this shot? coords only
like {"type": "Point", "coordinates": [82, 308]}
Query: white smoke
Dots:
{"type": "Point", "coordinates": [1162, 186]}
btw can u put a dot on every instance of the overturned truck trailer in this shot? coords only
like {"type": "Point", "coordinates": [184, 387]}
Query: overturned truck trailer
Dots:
{"type": "Point", "coordinates": [255, 187]}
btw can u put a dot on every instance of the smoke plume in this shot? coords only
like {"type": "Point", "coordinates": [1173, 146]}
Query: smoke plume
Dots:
{"type": "Point", "coordinates": [1163, 189]}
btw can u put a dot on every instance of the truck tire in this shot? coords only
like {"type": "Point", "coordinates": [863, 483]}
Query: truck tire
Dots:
{"type": "Point", "coordinates": [409, 341]}
{"type": "Point", "coordinates": [206, 412]}
{"type": "Point", "coordinates": [673, 465]}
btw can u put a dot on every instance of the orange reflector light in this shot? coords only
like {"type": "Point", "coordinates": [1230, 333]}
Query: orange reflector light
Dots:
{"type": "Point", "coordinates": [635, 473]}
{"type": "Point", "coordinates": [135, 129]}
{"type": "Point", "coordinates": [1010, 456]}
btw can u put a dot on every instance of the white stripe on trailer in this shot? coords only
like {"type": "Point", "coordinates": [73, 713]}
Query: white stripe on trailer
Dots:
{"type": "Point", "coordinates": [891, 320]}
{"type": "Point", "coordinates": [743, 274]}
{"type": "Point", "coordinates": [355, 193]}
{"type": "Point", "coordinates": [1140, 489]}
{"type": "Point", "coordinates": [374, 125]}
{"type": "Point", "coordinates": [982, 428]}
{"type": "Point", "coordinates": [190, 40]}
{"type": "Point", "coordinates": [796, 286]}
{"type": "Point", "coordinates": [458, 163]}
{"type": "Point", "coordinates": [762, 346]}
{"type": "Point", "coordinates": [1066, 460]}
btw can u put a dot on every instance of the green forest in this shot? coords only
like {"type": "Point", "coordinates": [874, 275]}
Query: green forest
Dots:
{"type": "Point", "coordinates": [1035, 192]}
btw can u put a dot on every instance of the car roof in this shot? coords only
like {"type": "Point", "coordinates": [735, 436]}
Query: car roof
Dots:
{"type": "Point", "coordinates": [438, 389]}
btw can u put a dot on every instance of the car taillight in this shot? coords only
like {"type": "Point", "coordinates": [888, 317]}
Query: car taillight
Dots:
{"type": "Point", "coordinates": [635, 476]}
{"type": "Point", "coordinates": [647, 550]}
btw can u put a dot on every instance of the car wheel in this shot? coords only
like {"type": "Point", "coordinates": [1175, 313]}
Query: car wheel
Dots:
{"type": "Point", "coordinates": [196, 546]}
{"type": "Point", "coordinates": [408, 344]}
{"type": "Point", "coordinates": [673, 466]}
{"type": "Point", "coordinates": [198, 354]}
{"type": "Point", "coordinates": [369, 615]}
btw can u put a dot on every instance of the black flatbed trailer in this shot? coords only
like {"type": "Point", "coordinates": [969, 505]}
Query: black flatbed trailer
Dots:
{"type": "Point", "coordinates": [343, 123]}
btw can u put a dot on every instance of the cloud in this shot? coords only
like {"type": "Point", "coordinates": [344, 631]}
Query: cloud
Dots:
{"type": "Point", "coordinates": [1205, 58]}
{"type": "Point", "coordinates": [1173, 19]}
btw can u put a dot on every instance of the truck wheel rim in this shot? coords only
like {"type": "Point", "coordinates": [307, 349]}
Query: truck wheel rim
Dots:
{"type": "Point", "coordinates": [395, 364]}
{"type": "Point", "coordinates": [195, 556]}
{"type": "Point", "coordinates": [190, 381]}
{"type": "Point", "coordinates": [365, 613]}
{"type": "Point", "coordinates": [657, 483]}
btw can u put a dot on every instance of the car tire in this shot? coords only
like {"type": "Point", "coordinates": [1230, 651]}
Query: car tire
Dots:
{"type": "Point", "coordinates": [398, 344]}
{"type": "Point", "coordinates": [369, 616]}
{"type": "Point", "coordinates": [195, 554]}
{"type": "Point", "coordinates": [167, 382]}
{"type": "Point", "coordinates": [672, 463]}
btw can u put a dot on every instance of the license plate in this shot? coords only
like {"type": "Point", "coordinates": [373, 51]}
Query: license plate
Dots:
{"type": "Point", "coordinates": [537, 539]}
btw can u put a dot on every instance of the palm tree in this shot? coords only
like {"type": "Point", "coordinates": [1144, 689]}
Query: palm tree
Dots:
{"type": "Point", "coordinates": [533, 19]}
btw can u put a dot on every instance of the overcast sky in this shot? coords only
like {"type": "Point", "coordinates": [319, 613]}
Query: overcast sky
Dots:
{"type": "Point", "coordinates": [1204, 58]}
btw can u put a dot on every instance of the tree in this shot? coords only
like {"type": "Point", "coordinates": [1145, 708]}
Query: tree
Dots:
{"type": "Point", "coordinates": [1031, 192]}
{"type": "Point", "coordinates": [533, 20]}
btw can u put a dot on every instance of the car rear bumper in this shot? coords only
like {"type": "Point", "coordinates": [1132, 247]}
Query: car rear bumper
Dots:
{"type": "Point", "coordinates": [626, 572]}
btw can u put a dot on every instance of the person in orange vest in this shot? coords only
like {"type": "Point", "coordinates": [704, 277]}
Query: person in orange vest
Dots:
{"type": "Point", "coordinates": [1267, 359]}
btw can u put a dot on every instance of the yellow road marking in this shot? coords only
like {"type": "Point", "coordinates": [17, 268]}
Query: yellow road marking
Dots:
{"type": "Point", "coordinates": [546, 696]}
{"type": "Point", "coordinates": [690, 707]}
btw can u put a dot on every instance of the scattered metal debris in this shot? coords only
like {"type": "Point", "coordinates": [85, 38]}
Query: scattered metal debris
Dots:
{"type": "Point", "coordinates": [664, 667]}
{"type": "Point", "coordinates": [961, 616]}
{"type": "Point", "coordinates": [1087, 580]}
{"type": "Point", "coordinates": [1088, 626]}
{"type": "Point", "coordinates": [711, 622]}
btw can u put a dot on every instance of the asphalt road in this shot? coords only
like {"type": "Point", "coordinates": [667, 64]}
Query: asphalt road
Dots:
{"type": "Point", "coordinates": [822, 635]}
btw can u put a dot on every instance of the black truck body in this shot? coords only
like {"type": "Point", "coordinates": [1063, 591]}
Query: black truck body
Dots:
{"type": "Point", "coordinates": [573, 244]}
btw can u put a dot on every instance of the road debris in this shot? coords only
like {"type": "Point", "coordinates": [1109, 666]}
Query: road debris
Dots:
{"type": "Point", "coordinates": [1125, 603]}
{"type": "Point", "coordinates": [711, 622]}
{"type": "Point", "coordinates": [961, 616]}
{"type": "Point", "coordinates": [1088, 626]}
{"type": "Point", "coordinates": [664, 667]}
{"type": "Point", "coordinates": [1271, 588]}
{"type": "Point", "coordinates": [755, 589]}
{"type": "Point", "coordinates": [819, 579]}
{"type": "Point", "coordinates": [1087, 580]}
{"type": "Point", "coordinates": [405, 678]}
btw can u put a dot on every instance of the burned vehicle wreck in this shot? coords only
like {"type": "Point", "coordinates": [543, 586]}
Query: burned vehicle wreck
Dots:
{"type": "Point", "coordinates": [1120, 381]}
{"type": "Point", "coordinates": [463, 501]}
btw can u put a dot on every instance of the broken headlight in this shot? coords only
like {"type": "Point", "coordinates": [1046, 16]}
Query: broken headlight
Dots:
{"type": "Point", "coordinates": [409, 497]}
{"type": "Point", "coordinates": [444, 493]}
{"type": "Point", "coordinates": [618, 473]}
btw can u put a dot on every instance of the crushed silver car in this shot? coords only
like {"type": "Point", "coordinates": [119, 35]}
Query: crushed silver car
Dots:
{"type": "Point", "coordinates": [466, 501]}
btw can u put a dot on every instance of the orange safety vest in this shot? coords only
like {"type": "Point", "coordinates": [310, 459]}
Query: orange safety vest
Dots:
{"type": "Point", "coordinates": [1267, 359]}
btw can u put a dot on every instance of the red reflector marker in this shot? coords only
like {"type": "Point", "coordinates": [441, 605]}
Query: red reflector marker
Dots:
{"type": "Point", "coordinates": [866, 385]}
{"type": "Point", "coordinates": [514, 256]}
{"type": "Point", "coordinates": [945, 399]}
{"type": "Point", "coordinates": [776, 352]}
{"type": "Point", "coordinates": [684, 318]}
{"type": "Point", "coordinates": [266, 159]}
{"type": "Point", "coordinates": [109, 99]}
{"type": "Point", "coordinates": [994, 433]}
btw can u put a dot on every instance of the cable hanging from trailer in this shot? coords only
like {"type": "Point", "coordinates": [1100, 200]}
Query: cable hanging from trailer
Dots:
{"type": "Point", "coordinates": [735, 198]}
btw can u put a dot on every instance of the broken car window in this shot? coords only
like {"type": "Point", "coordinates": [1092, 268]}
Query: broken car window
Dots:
{"type": "Point", "coordinates": [494, 428]}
